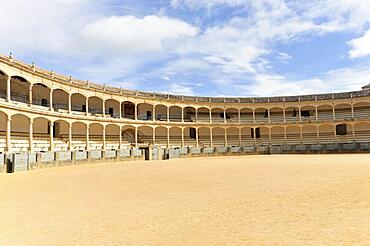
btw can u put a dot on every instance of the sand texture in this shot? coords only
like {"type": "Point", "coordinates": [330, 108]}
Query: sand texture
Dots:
{"type": "Point", "coordinates": [249, 200]}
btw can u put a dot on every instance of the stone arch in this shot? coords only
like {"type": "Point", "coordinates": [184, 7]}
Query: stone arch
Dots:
{"type": "Point", "coordinates": [218, 115]}
{"type": "Point", "coordinates": [292, 114]}
{"type": "Point", "coordinates": [145, 111]}
{"type": "Point", "coordinates": [3, 84]}
{"type": "Point", "coordinates": [175, 136]}
{"type": "Point", "coordinates": [41, 94]}
{"type": "Point", "coordinates": [128, 110]}
{"type": "Point", "coordinates": [343, 111]}
{"type": "Point", "coordinates": [362, 132]}
{"type": "Point", "coordinates": [204, 136]}
{"type": "Point", "coordinates": [326, 133]}
{"type": "Point", "coordinates": [128, 135]}
{"type": "Point", "coordinates": [161, 135]}
{"type": "Point", "coordinates": [112, 136]}
{"type": "Point", "coordinates": [96, 131]}
{"type": "Point", "coordinates": [277, 135]}
{"type": "Point", "coordinates": [161, 112]}
{"type": "Point", "coordinates": [20, 127]}
{"type": "Point", "coordinates": [293, 135]}
{"type": "Point", "coordinates": [175, 114]}
{"type": "Point", "coordinates": [20, 89]}
{"type": "Point", "coordinates": [96, 106]}
{"type": "Point", "coordinates": [276, 114]}
{"type": "Point", "coordinates": [60, 100]}
{"type": "Point", "coordinates": [189, 114]}
{"type": "Point", "coordinates": [362, 110]}
{"type": "Point", "coordinates": [78, 102]}
{"type": "Point", "coordinates": [325, 112]}
{"type": "Point", "coordinates": [218, 136]}
{"type": "Point", "coordinates": [145, 134]}
{"type": "Point", "coordinates": [233, 136]}
{"type": "Point", "coordinates": [203, 114]}
{"type": "Point", "coordinates": [246, 115]}
{"type": "Point", "coordinates": [79, 136]}
{"type": "Point", "coordinates": [61, 135]}
{"type": "Point", "coordinates": [3, 126]}
{"type": "Point", "coordinates": [261, 114]}
{"type": "Point", "coordinates": [309, 134]}
{"type": "Point", "coordinates": [190, 136]}
{"type": "Point", "coordinates": [112, 108]}
{"type": "Point", "coordinates": [247, 136]}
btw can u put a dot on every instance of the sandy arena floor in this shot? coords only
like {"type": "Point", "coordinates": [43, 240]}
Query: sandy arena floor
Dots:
{"type": "Point", "coordinates": [251, 200]}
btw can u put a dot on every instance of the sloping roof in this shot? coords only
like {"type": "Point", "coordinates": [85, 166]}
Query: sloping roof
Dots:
{"type": "Point", "coordinates": [366, 87]}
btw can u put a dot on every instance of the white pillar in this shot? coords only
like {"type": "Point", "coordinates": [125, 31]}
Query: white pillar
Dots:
{"type": "Point", "coordinates": [51, 100]}
{"type": "Point", "coordinates": [8, 97]}
{"type": "Point", "coordinates": [30, 136]}
{"type": "Point", "coordinates": [284, 117]}
{"type": "Point", "coordinates": [285, 142]}
{"type": "Point", "coordinates": [300, 114]}
{"type": "Point", "coordinates": [352, 111]}
{"type": "Point", "coordinates": [270, 137]}
{"type": "Point", "coordinates": [254, 116]}
{"type": "Point", "coordinates": [51, 130]}
{"type": "Point", "coordinates": [353, 133]}
{"type": "Point", "coordinates": [224, 115]}
{"type": "Point", "coordinates": [335, 133]}
{"type": "Point", "coordinates": [254, 134]}
{"type": "Point", "coordinates": [154, 116]}
{"type": "Point", "coordinates": [300, 135]}
{"type": "Point", "coordinates": [316, 114]}
{"type": "Point", "coordinates": [268, 115]}
{"type": "Point", "coordinates": [182, 114]}
{"type": "Point", "coordinates": [8, 134]}
{"type": "Point", "coordinates": [87, 106]}
{"type": "Point", "coordinates": [239, 116]}
{"type": "Point", "coordinates": [210, 115]}
{"type": "Point", "coordinates": [168, 114]}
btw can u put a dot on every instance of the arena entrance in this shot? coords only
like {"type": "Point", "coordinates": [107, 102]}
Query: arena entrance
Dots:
{"type": "Point", "coordinates": [146, 153]}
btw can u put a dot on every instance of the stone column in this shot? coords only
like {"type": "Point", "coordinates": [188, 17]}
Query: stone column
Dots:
{"type": "Point", "coordinates": [254, 134]}
{"type": "Point", "coordinates": [104, 108]}
{"type": "Point", "coordinates": [168, 114]}
{"type": "Point", "coordinates": [104, 141]}
{"type": "Point", "coordinates": [269, 115]}
{"type": "Point", "coordinates": [224, 115]}
{"type": "Point", "coordinates": [87, 106]}
{"type": "Point", "coordinates": [300, 114]}
{"type": "Point", "coordinates": [239, 120]}
{"type": "Point", "coordinates": [120, 137]}
{"type": "Point", "coordinates": [353, 133]}
{"type": "Point", "coordinates": [197, 137]}
{"type": "Point", "coordinates": [135, 111]}
{"type": "Point", "coordinates": [318, 134]}
{"type": "Point", "coordinates": [87, 137]}
{"type": "Point", "coordinates": [8, 95]}
{"type": "Point", "coordinates": [168, 137]}
{"type": "Point", "coordinates": [69, 103]}
{"type": "Point", "coordinates": [153, 136]}
{"type": "Point", "coordinates": [270, 138]}
{"type": "Point", "coordinates": [51, 136]}
{"type": "Point", "coordinates": [300, 135]}
{"type": "Point", "coordinates": [154, 116]}
{"type": "Point", "coordinates": [254, 116]}
{"type": "Point", "coordinates": [120, 111]}
{"type": "Point", "coordinates": [182, 114]}
{"type": "Point", "coordinates": [333, 112]}
{"type": "Point", "coordinates": [335, 133]}
{"type": "Point", "coordinates": [8, 134]}
{"type": "Point", "coordinates": [182, 137]}
{"type": "Point", "coordinates": [316, 114]}
{"type": "Point", "coordinates": [51, 100]}
{"type": "Point", "coordinates": [210, 116]}
{"type": "Point", "coordinates": [225, 136]}
{"type": "Point", "coordinates": [136, 145]}
{"type": "Point", "coordinates": [70, 138]}
{"type": "Point", "coordinates": [284, 117]}
{"type": "Point", "coordinates": [352, 111]}
{"type": "Point", "coordinates": [30, 95]}
{"type": "Point", "coordinates": [30, 136]}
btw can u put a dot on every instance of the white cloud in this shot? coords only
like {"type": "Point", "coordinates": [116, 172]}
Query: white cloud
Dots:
{"type": "Point", "coordinates": [339, 80]}
{"type": "Point", "coordinates": [360, 47]}
{"type": "Point", "coordinates": [128, 34]}
{"type": "Point", "coordinates": [179, 89]}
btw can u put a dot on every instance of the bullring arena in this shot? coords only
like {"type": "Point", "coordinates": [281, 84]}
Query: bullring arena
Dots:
{"type": "Point", "coordinates": [268, 170]}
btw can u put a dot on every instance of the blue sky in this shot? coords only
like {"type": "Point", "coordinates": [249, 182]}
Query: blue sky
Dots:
{"type": "Point", "coordinates": [196, 47]}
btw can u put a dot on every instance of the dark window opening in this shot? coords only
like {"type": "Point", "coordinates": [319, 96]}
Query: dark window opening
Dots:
{"type": "Point", "coordinates": [341, 129]}
{"type": "Point", "coordinates": [192, 133]}
{"type": "Point", "coordinates": [258, 133]}
{"type": "Point", "coordinates": [305, 113]}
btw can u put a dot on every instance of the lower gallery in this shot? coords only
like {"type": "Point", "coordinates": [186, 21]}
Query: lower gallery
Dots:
{"type": "Point", "coordinates": [50, 119]}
